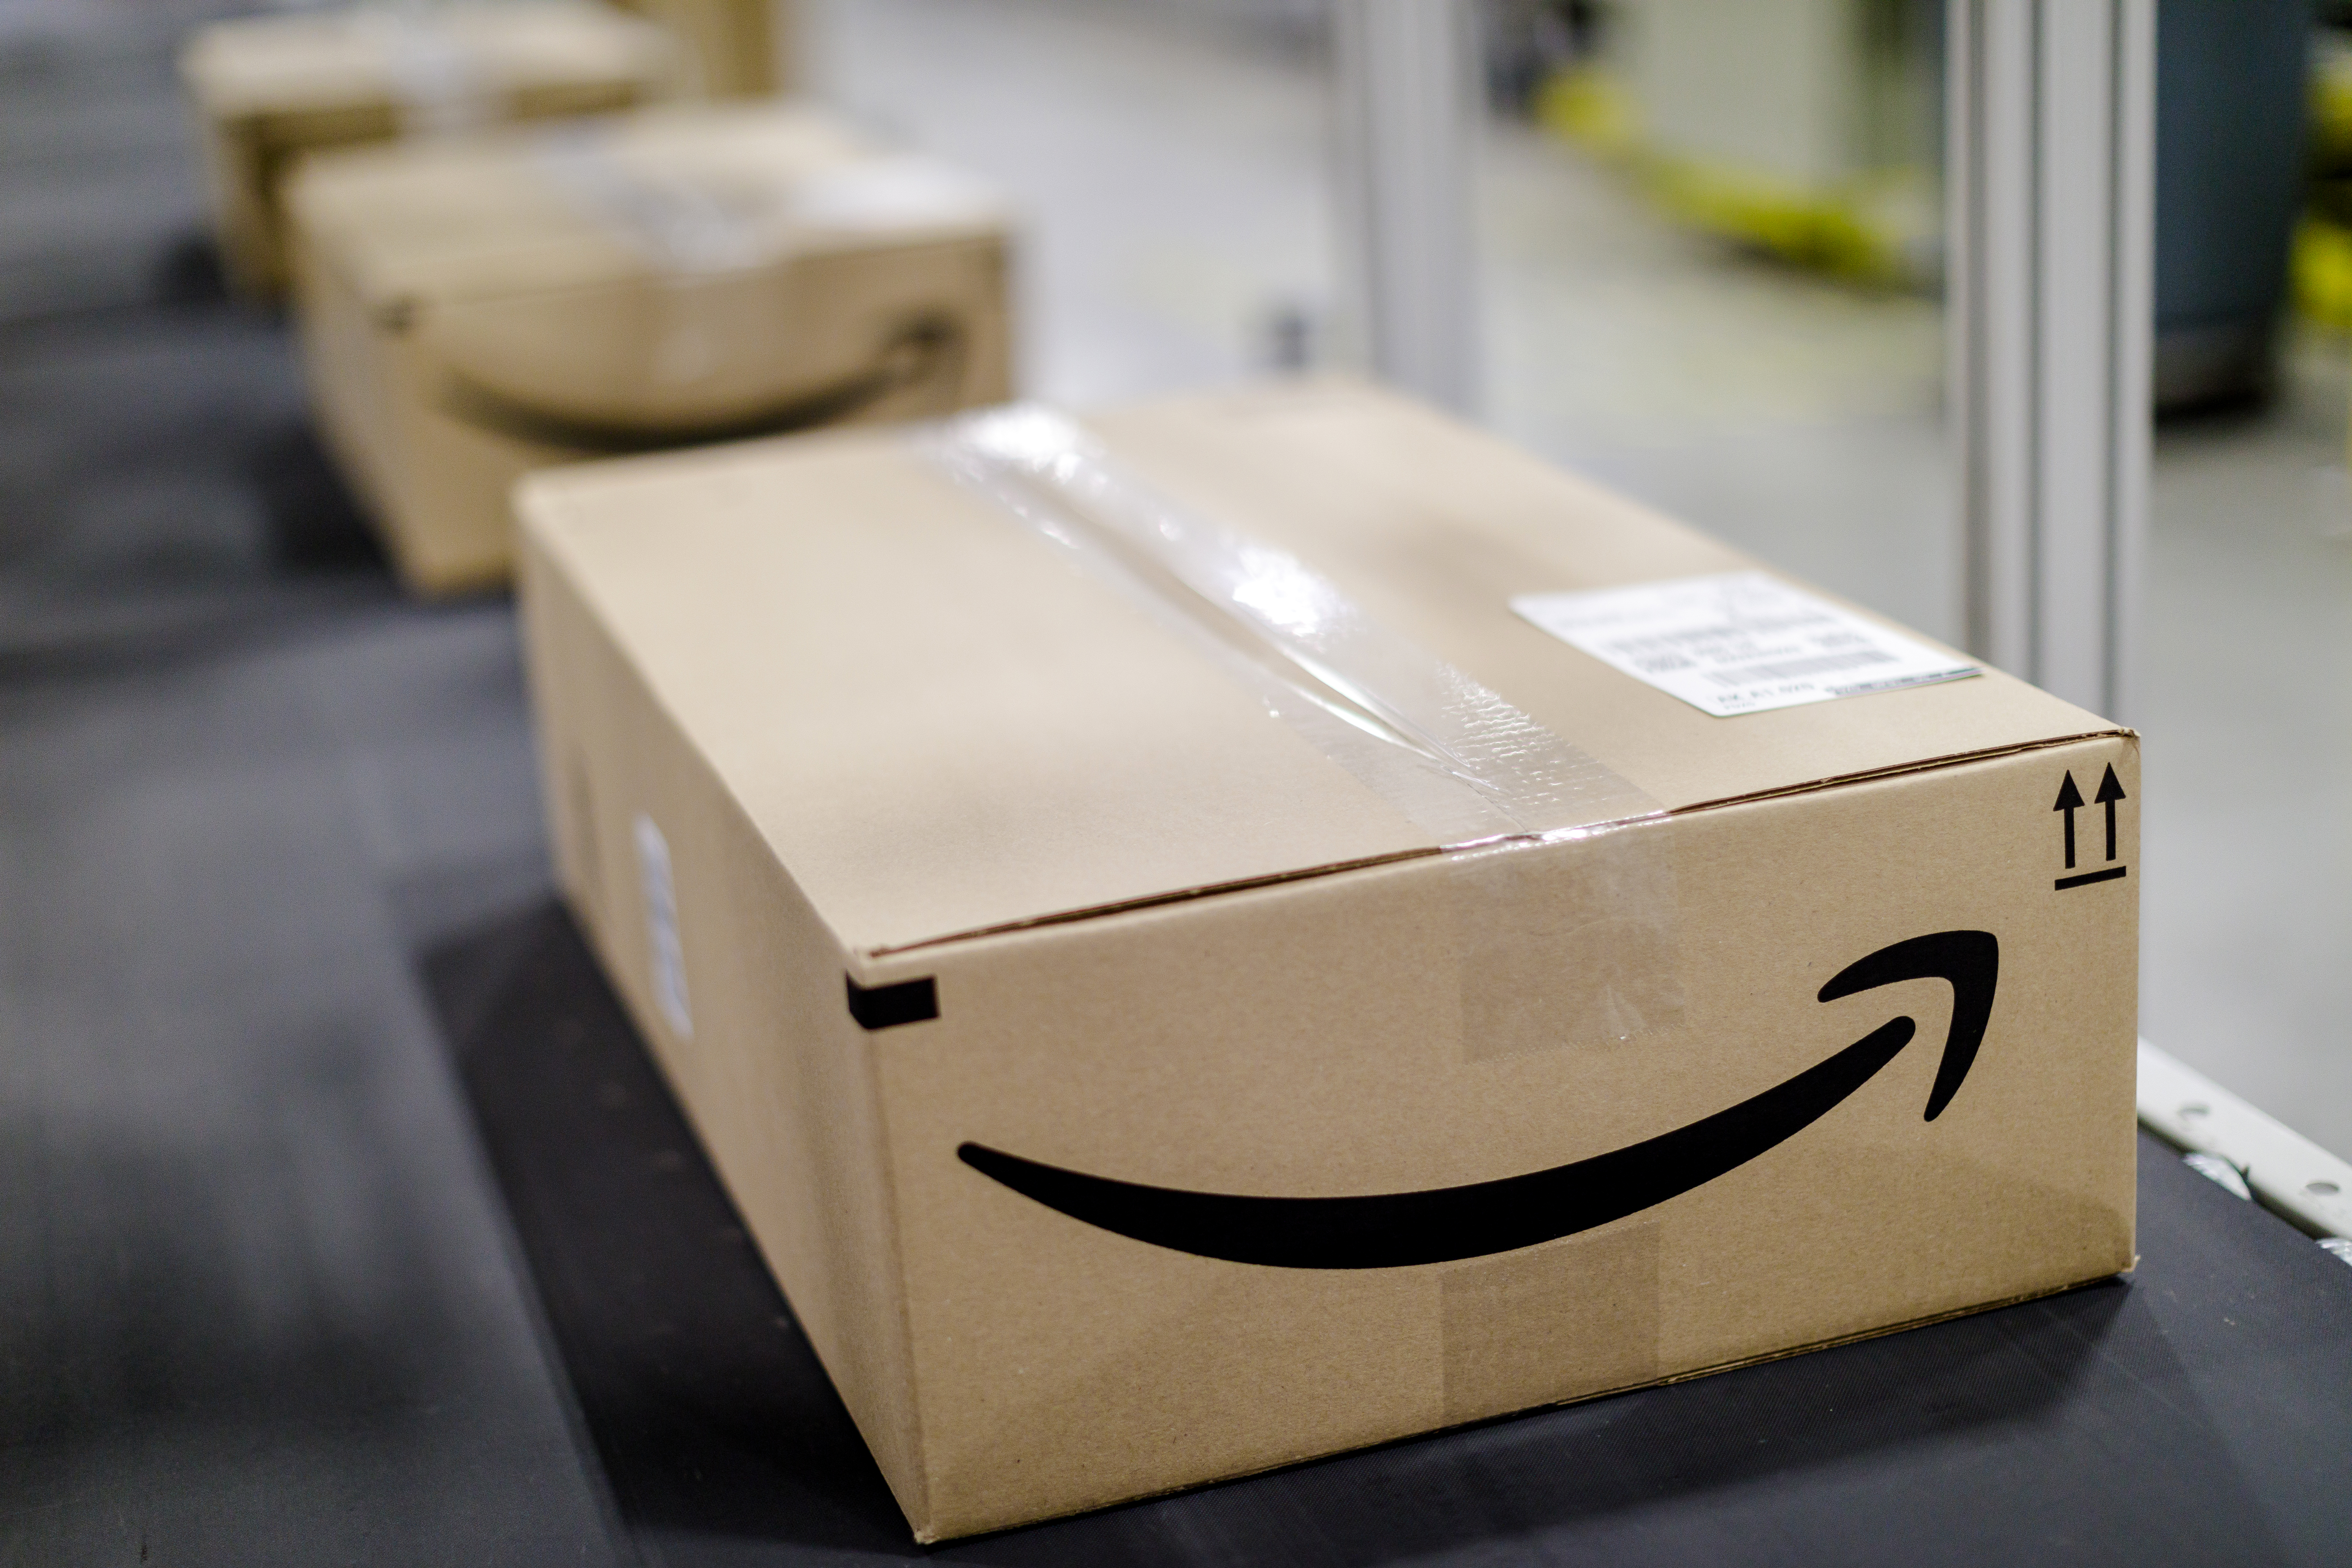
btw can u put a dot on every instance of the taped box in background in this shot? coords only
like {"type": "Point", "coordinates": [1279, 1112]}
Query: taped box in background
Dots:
{"type": "Point", "coordinates": [1186, 980]}
{"type": "Point", "coordinates": [267, 90]}
{"type": "Point", "coordinates": [475, 308]}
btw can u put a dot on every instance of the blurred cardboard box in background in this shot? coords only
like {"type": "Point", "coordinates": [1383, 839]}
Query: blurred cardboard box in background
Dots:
{"type": "Point", "coordinates": [1240, 930]}
{"type": "Point", "coordinates": [742, 48]}
{"type": "Point", "coordinates": [266, 89]}
{"type": "Point", "coordinates": [476, 308]}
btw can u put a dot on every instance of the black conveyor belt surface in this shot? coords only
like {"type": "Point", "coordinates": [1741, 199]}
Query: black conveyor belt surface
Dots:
{"type": "Point", "coordinates": [342, 1219]}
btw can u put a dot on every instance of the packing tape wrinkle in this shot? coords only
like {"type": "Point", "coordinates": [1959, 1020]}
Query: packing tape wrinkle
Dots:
{"type": "Point", "coordinates": [1564, 908]}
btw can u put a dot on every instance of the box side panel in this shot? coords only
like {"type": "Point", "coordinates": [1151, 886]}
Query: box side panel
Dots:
{"type": "Point", "coordinates": [233, 179]}
{"type": "Point", "coordinates": [1440, 1024]}
{"type": "Point", "coordinates": [960, 287]}
{"type": "Point", "coordinates": [738, 990]}
{"type": "Point", "coordinates": [557, 634]}
{"type": "Point", "coordinates": [449, 518]}
{"type": "Point", "coordinates": [343, 368]}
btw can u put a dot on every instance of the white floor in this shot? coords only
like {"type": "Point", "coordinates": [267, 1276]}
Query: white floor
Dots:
{"type": "Point", "coordinates": [1172, 167]}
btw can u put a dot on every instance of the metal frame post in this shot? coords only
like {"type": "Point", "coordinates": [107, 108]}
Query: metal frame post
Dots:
{"type": "Point", "coordinates": [2051, 193]}
{"type": "Point", "coordinates": [1405, 101]}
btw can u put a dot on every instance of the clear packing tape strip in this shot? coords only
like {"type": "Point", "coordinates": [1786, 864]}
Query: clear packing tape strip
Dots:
{"type": "Point", "coordinates": [1565, 904]}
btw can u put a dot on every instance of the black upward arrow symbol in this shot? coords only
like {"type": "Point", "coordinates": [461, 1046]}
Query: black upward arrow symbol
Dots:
{"type": "Point", "coordinates": [2109, 793]}
{"type": "Point", "coordinates": [2070, 801]}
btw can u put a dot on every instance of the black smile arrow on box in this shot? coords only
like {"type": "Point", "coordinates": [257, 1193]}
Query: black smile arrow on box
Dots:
{"type": "Point", "coordinates": [1445, 1225]}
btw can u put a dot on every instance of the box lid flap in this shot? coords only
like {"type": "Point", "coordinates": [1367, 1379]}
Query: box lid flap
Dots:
{"type": "Point", "coordinates": [944, 723]}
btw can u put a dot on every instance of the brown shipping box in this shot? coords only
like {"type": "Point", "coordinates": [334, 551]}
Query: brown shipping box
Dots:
{"type": "Point", "coordinates": [474, 309]}
{"type": "Point", "coordinates": [1180, 978]}
{"type": "Point", "coordinates": [267, 90]}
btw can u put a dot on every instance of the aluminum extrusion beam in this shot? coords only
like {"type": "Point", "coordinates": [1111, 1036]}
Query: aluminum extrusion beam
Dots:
{"type": "Point", "coordinates": [1405, 101]}
{"type": "Point", "coordinates": [2051, 203]}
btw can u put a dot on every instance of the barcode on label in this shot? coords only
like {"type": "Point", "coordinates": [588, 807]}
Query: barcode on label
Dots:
{"type": "Point", "coordinates": [1820, 664]}
{"type": "Point", "coordinates": [1740, 642]}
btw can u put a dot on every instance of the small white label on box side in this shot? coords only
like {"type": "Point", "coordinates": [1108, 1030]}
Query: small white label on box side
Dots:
{"type": "Point", "coordinates": [661, 928]}
{"type": "Point", "coordinates": [1738, 643]}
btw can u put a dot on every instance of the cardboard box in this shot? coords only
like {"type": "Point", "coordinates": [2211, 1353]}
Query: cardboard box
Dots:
{"type": "Point", "coordinates": [475, 310]}
{"type": "Point", "coordinates": [742, 48]}
{"type": "Point", "coordinates": [267, 90]}
{"type": "Point", "coordinates": [1024, 847]}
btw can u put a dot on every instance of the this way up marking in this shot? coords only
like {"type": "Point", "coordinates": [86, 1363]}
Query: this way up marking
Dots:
{"type": "Point", "coordinates": [2070, 801]}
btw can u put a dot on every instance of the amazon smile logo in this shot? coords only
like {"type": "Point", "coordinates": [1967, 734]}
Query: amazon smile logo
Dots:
{"type": "Point", "coordinates": [1445, 1225]}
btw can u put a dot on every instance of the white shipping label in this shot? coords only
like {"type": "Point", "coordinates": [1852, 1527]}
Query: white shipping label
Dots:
{"type": "Point", "coordinates": [661, 928]}
{"type": "Point", "coordinates": [1738, 643]}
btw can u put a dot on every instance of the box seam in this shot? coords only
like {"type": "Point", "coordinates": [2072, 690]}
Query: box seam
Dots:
{"type": "Point", "coordinates": [1339, 867]}
{"type": "Point", "coordinates": [905, 1325]}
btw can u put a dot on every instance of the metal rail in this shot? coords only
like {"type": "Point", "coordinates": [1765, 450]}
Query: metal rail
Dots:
{"type": "Point", "coordinates": [1404, 136]}
{"type": "Point", "coordinates": [2275, 1164]}
{"type": "Point", "coordinates": [2050, 188]}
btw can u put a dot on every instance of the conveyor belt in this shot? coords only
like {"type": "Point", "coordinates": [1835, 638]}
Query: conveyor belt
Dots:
{"type": "Point", "coordinates": [342, 1219]}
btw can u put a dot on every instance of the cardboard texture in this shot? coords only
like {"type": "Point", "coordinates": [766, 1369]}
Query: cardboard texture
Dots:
{"type": "Point", "coordinates": [475, 310]}
{"type": "Point", "coordinates": [938, 871]}
{"type": "Point", "coordinates": [742, 48]}
{"type": "Point", "coordinates": [267, 90]}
